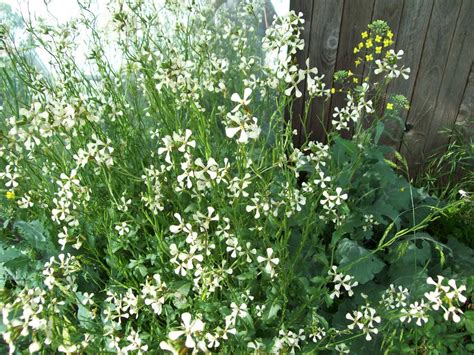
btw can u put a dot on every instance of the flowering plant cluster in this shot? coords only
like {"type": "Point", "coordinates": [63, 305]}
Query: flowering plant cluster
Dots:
{"type": "Point", "coordinates": [159, 205]}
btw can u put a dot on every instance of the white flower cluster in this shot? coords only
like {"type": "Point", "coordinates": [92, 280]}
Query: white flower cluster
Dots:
{"type": "Point", "coordinates": [239, 121]}
{"type": "Point", "coordinates": [61, 272]}
{"type": "Point", "coordinates": [365, 319]}
{"type": "Point", "coordinates": [356, 106]}
{"type": "Point", "coordinates": [68, 199]}
{"type": "Point", "coordinates": [341, 282]}
{"type": "Point", "coordinates": [446, 297]}
{"type": "Point", "coordinates": [389, 67]}
{"type": "Point", "coordinates": [98, 151]}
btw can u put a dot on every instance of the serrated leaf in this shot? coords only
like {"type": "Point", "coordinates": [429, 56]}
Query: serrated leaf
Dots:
{"type": "Point", "coordinates": [360, 263]}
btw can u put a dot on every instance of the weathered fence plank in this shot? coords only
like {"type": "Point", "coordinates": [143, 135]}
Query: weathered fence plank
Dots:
{"type": "Point", "coordinates": [453, 84]}
{"type": "Point", "coordinates": [410, 38]}
{"type": "Point", "coordinates": [466, 109]}
{"type": "Point", "coordinates": [356, 15]}
{"type": "Point", "coordinates": [429, 79]}
{"type": "Point", "coordinates": [326, 22]}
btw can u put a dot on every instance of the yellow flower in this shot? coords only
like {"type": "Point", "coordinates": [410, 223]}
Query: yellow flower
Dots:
{"type": "Point", "coordinates": [355, 80]}
{"type": "Point", "coordinates": [368, 43]}
{"type": "Point", "coordinates": [389, 106]}
{"type": "Point", "coordinates": [10, 195]}
{"type": "Point", "coordinates": [333, 91]}
{"type": "Point", "coordinates": [387, 42]}
{"type": "Point", "coordinates": [357, 62]}
{"type": "Point", "coordinates": [365, 34]}
{"type": "Point", "coordinates": [366, 79]}
{"type": "Point", "coordinates": [360, 45]}
{"type": "Point", "coordinates": [349, 73]}
{"type": "Point", "coordinates": [369, 57]}
{"type": "Point", "coordinates": [356, 50]}
{"type": "Point", "coordinates": [378, 50]}
{"type": "Point", "coordinates": [390, 34]}
{"type": "Point", "coordinates": [378, 38]}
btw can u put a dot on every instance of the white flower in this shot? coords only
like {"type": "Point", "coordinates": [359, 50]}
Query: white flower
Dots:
{"type": "Point", "coordinates": [122, 228]}
{"type": "Point", "coordinates": [189, 328]}
{"type": "Point", "coordinates": [87, 298]}
{"type": "Point", "coordinates": [177, 228]}
{"type": "Point", "coordinates": [183, 141]}
{"type": "Point", "coordinates": [417, 310]}
{"type": "Point", "coordinates": [453, 312]}
{"type": "Point", "coordinates": [270, 262]}
{"type": "Point", "coordinates": [342, 348]}
{"type": "Point", "coordinates": [456, 292]}
{"type": "Point", "coordinates": [356, 318]}
{"type": "Point", "coordinates": [167, 347]}
{"type": "Point", "coordinates": [245, 124]}
{"type": "Point", "coordinates": [241, 101]}
{"type": "Point", "coordinates": [239, 311]}
{"type": "Point", "coordinates": [341, 280]}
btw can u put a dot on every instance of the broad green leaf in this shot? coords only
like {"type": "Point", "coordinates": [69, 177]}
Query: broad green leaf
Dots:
{"type": "Point", "coordinates": [360, 263]}
{"type": "Point", "coordinates": [36, 236]}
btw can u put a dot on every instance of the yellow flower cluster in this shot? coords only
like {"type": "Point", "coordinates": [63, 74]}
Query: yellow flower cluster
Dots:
{"type": "Point", "coordinates": [10, 195]}
{"type": "Point", "coordinates": [369, 41]}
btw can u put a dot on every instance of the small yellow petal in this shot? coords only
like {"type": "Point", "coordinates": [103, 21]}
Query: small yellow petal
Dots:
{"type": "Point", "coordinates": [10, 195]}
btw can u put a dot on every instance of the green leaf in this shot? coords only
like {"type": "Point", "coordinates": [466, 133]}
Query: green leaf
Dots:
{"type": "Point", "coordinates": [36, 236]}
{"type": "Point", "coordinates": [462, 255]}
{"type": "Point", "coordinates": [469, 321]}
{"type": "Point", "coordinates": [360, 263]}
{"type": "Point", "coordinates": [407, 262]}
{"type": "Point", "coordinates": [378, 132]}
{"type": "Point", "coordinates": [272, 311]}
{"type": "Point", "coordinates": [17, 263]}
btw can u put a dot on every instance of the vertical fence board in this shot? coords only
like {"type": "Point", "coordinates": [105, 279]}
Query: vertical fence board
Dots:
{"type": "Point", "coordinates": [410, 38]}
{"type": "Point", "coordinates": [430, 73]}
{"type": "Point", "coordinates": [306, 7]}
{"type": "Point", "coordinates": [326, 22]}
{"type": "Point", "coordinates": [356, 15]}
{"type": "Point", "coordinates": [454, 81]}
{"type": "Point", "coordinates": [466, 109]}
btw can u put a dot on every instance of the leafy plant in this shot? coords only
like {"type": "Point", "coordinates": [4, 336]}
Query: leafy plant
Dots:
{"type": "Point", "coordinates": [160, 205]}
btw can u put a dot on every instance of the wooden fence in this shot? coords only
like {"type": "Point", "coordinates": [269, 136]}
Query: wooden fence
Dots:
{"type": "Point", "coordinates": [437, 37]}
